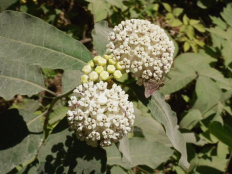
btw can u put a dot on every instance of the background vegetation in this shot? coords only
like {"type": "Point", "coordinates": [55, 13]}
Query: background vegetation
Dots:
{"type": "Point", "coordinates": [199, 90]}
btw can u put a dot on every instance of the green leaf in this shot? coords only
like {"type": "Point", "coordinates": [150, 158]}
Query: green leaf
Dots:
{"type": "Point", "coordinates": [227, 52]}
{"type": "Point", "coordinates": [124, 148]}
{"type": "Point", "coordinates": [198, 42]}
{"type": "Point", "coordinates": [217, 108]}
{"type": "Point", "coordinates": [222, 150]}
{"type": "Point", "coordinates": [185, 19]}
{"type": "Point", "coordinates": [208, 94]}
{"type": "Point", "coordinates": [180, 77]}
{"type": "Point", "coordinates": [216, 75]}
{"type": "Point", "coordinates": [167, 7]}
{"type": "Point", "coordinates": [38, 43]}
{"type": "Point", "coordinates": [177, 11]}
{"type": "Point", "coordinates": [193, 22]}
{"type": "Point", "coordinates": [219, 32]}
{"type": "Point", "coordinates": [19, 78]}
{"type": "Point", "coordinates": [223, 133]}
{"type": "Point", "coordinates": [190, 32]}
{"type": "Point", "coordinates": [98, 9]}
{"type": "Point", "coordinates": [64, 152]}
{"type": "Point", "coordinates": [30, 168]}
{"type": "Point", "coordinates": [211, 164]}
{"type": "Point", "coordinates": [57, 115]}
{"type": "Point", "coordinates": [199, 27]}
{"type": "Point", "coordinates": [169, 16]}
{"type": "Point", "coordinates": [175, 22]}
{"type": "Point", "coordinates": [191, 60]}
{"type": "Point", "coordinates": [142, 152]}
{"type": "Point", "coordinates": [227, 14]}
{"type": "Point", "coordinates": [22, 133]}
{"type": "Point", "coordinates": [162, 112]}
{"type": "Point", "coordinates": [193, 138]}
{"type": "Point", "coordinates": [186, 46]}
{"type": "Point", "coordinates": [100, 36]}
{"type": "Point", "coordinates": [194, 47]}
{"type": "Point", "coordinates": [70, 80]}
{"type": "Point", "coordinates": [219, 22]}
{"type": "Point", "coordinates": [118, 3]}
{"type": "Point", "coordinates": [4, 4]}
{"type": "Point", "coordinates": [191, 119]}
{"type": "Point", "coordinates": [217, 40]}
{"type": "Point", "coordinates": [152, 130]}
{"type": "Point", "coordinates": [27, 104]}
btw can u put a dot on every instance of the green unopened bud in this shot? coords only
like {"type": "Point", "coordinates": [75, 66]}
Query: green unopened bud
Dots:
{"type": "Point", "coordinates": [93, 76]}
{"type": "Point", "coordinates": [104, 75]}
{"type": "Point", "coordinates": [110, 68]}
{"type": "Point", "coordinates": [95, 59]}
{"type": "Point", "coordinates": [99, 69]}
{"type": "Point", "coordinates": [112, 62]}
{"type": "Point", "coordinates": [84, 79]}
{"type": "Point", "coordinates": [119, 66]}
{"type": "Point", "coordinates": [107, 57]}
{"type": "Point", "coordinates": [101, 61]}
{"type": "Point", "coordinates": [117, 74]}
{"type": "Point", "coordinates": [86, 69]}
{"type": "Point", "coordinates": [91, 64]}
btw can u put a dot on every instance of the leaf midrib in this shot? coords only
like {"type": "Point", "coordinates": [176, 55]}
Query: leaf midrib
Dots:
{"type": "Point", "coordinates": [25, 43]}
{"type": "Point", "coordinates": [25, 81]}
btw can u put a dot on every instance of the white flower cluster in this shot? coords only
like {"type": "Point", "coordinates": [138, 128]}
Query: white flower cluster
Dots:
{"type": "Point", "coordinates": [142, 48]}
{"type": "Point", "coordinates": [100, 113]}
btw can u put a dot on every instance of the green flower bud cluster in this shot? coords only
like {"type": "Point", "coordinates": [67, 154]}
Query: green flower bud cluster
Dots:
{"type": "Point", "coordinates": [101, 69]}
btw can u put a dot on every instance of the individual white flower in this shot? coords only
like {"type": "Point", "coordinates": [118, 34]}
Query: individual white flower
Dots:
{"type": "Point", "coordinates": [100, 114]}
{"type": "Point", "coordinates": [142, 48]}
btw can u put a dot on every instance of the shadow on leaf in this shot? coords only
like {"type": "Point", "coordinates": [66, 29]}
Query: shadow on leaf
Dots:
{"type": "Point", "coordinates": [13, 129]}
{"type": "Point", "coordinates": [66, 154]}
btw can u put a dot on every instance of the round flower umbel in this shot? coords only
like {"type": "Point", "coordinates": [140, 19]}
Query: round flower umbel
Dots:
{"type": "Point", "coordinates": [100, 114]}
{"type": "Point", "coordinates": [101, 69]}
{"type": "Point", "coordinates": [142, 48]}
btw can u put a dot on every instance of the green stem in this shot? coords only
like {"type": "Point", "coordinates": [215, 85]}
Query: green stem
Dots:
{"type": "Point", "coordinates": [49, 110]}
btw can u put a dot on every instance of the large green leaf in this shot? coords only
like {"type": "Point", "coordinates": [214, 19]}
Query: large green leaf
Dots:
{"type": "Point", "coordinates": [222, 132]}
{"type": "Point", "coordinates": [70, 80]}
{"type": "Point", "coordinates": [64, 153]}
{"type": "Point", "coordinates": [179, 78]}
{"type": "Point", "coordinates": [191, 119]}
{"type": "Point", "coordinates": [142, 152]}
{"type": "Point", "coordinates": [216, 75]}
{"type": "Point", "coordinates": [152, 130]}
{"type": "Point", "coordinates": [21, 136]}
{"type": "Point", "coordinates": [208, 94]}
{"type": "Point", "coordinates": [191, 60]}
{"type": "Point", "coordinates": [19, 78]}
{"type": "Point", "coordinates": [162, 112]}
{"type": "Point", "coordinates": [25, 38]}
{"type": "Point", "coordinates": [100, 36]}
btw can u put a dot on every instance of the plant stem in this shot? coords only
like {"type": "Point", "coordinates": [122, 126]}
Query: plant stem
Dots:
{"type": "Point", "coordinates": [49, 110]}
